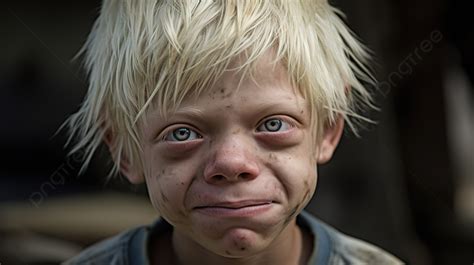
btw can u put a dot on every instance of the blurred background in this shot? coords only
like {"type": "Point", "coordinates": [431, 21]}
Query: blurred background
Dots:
{"type": "Point", "coordinates": [406, 185]}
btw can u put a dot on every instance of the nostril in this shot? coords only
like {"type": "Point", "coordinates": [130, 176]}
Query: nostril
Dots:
{"type": "Point", "coordinates": [231, 166]}
{"type": "Point", "coordinates": [218, 177]}
{"type": "Point", "coordinates": [245, 176]}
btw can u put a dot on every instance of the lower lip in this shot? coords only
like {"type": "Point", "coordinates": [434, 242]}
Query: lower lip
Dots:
{"type": "Point", "coordinates": [247, 211]}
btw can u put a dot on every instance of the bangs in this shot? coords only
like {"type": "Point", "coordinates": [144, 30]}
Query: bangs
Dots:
{"type": "Point", "coordinates": [155, 54]}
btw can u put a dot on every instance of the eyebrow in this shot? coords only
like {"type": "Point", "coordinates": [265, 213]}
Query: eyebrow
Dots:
{"type": "Point", "coordinates": [190, 112]}
{"type": "Point", "coordinates": [279, 106]}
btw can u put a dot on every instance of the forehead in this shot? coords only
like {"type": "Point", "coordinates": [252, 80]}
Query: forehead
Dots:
{"type": "Point", "coordinates": [264, 87]}
{"type": "Point", "coordinates": [266, 81]}
{"type": "Point", "coordinates": [240, 69]}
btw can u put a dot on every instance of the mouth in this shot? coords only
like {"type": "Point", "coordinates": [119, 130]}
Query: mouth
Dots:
{"type": "Point", "coordinates": [236, 204]}
{"type": "Point", "coordinates": [235, 209]}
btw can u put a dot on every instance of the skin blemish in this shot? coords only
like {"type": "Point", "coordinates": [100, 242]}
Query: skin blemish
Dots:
{"type": "Point", "coordinates": [240, 243]}
{"type": "Point", "coordinates": [159, 175]}
{"type": "Point", "coordinates": [182, 183]}
{"type": "Point", "coordinates": [236, 131]}
{"type": "Point", "coordinates": [272, 156]}
{"type": "Point", "coordinates": [223, 93]}
{"type": "Point", "coordinates": [306, 194]}
{"type": "Point", "coordinates": [212, 95]}
{"type": "Point", "coordinates": [164, 198]}
{"type": "Point", "coordinates": [294, 210]}
{"type": "Point", "coordinates": [306, 184]}
{"type": "Point", "coordinates": [226, 95]}
{"type": "Point", "coordinates": [292, 214]}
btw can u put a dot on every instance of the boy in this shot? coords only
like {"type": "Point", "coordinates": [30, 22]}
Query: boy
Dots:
{"type": "Point", "coordinates": [223, 109]}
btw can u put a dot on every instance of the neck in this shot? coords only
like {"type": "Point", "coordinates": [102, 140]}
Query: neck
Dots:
{"type": "Point", "coordinates": [290, 247]}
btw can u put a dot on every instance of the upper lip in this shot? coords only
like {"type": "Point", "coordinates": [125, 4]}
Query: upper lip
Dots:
{"type": "Point", "coordinates": [235, 204]}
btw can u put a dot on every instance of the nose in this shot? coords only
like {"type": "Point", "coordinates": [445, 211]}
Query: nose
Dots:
{"type": "Point", "coordinates": [231, 160]}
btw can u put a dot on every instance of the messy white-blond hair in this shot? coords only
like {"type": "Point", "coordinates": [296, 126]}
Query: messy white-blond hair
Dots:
{"type": "Point", "coordinates": [143, 53]}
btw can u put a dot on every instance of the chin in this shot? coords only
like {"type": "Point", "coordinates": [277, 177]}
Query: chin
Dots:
{"type": "Point", "coordinates": [241, 243]}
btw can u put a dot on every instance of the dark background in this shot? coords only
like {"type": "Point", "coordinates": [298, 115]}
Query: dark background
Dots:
{"type": "Point", "coordinates": [399, 186]}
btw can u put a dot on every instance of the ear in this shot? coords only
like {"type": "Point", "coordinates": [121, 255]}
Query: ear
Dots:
{"type": "Point", "coordinates": [331, 136]}
{"type": "Point", "coordinates": [130, 172]}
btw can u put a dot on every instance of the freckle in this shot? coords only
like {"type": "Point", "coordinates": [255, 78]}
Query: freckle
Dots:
{"type": "Point", "coordinates": [222, 90]}
{"type": "Point", "coordinates": [242, 248]}
{"type": "Point", "coordinates": [272, 156]}
{"type": "Point", "coordinates": [182, 183]}
{"type": "Point", "coordinates": [164, 198]}
{"type": "Point", "coordinates": [228, 106]}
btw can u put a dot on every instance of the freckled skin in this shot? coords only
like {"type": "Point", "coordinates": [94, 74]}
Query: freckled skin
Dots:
{"type": "Point", "coordinates": [210, 168]}
{"type": "Point", "coordinates": [164, 198]}
{"type": "Point", "coordinates": [225, 93]}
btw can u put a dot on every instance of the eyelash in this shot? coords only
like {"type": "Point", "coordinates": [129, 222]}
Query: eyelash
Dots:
{"type": "Point", "coordinates": [282, 124]}
{"type": "Point", "coordinates": [170, 135]}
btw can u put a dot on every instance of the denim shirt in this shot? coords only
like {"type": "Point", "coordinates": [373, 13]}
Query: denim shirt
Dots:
{"type": "Point", "coordinates": [330, 246]}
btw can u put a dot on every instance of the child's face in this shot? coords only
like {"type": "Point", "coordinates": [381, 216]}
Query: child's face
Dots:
{"type": "Point", "coordinates": [232, 169]}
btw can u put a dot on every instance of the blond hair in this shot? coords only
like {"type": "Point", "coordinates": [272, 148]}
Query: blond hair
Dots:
{"type": "Point", "coordinates": [143, 53]}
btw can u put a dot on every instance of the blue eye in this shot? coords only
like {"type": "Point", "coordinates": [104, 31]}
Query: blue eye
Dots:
{"type": "Point", "coordinates": [273, 125]}
{"type": "Point", "coordinates": [182, 134]}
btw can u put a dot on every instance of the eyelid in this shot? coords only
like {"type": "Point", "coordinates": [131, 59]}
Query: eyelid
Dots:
{"type": "Point", "coordinates": [170, 128]}
{"type": "Point", "coordinates": [285, 119]}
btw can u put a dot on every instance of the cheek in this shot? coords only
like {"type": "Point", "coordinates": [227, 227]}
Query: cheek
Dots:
{"type": "Point", "coordinates": [309, 187]}
{"type": "Point", "coordinates": [167, 190]}
{"type": "Point", "coordinates": [296, 171]}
